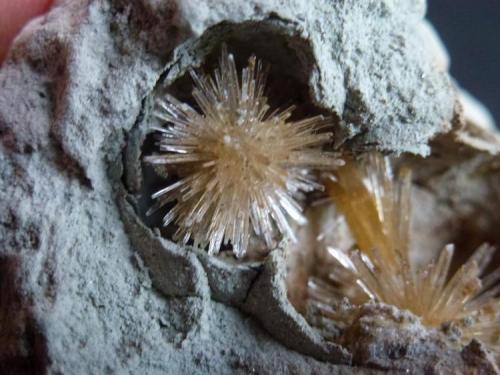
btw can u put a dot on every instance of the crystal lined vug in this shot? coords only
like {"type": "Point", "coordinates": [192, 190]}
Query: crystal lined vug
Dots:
{"type": "Point", "coordinates": [376, 207]}
{"type": "Point", "coordinates": [241, 166]}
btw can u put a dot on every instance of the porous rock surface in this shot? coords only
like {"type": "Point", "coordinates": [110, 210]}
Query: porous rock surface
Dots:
{"type": "Point", "coordinates": [86, 286]}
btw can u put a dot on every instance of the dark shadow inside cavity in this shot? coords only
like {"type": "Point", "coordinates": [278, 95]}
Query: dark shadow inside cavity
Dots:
{"type": "Point", "coordinates": [290, 63]}
{"type": "Point", "coordinates": [152, 181]}
{"type": "Point", "coordinates": [289, 59]}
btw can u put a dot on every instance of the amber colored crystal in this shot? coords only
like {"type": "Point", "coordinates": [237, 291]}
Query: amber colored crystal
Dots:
{"type": "Point", "coordinates": [376, 205]}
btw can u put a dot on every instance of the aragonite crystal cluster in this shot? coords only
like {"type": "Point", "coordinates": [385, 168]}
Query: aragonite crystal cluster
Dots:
{"type": "Point", "coordinates": [241, 166]}
{"type": "Point", "coordinates": [376, 206]}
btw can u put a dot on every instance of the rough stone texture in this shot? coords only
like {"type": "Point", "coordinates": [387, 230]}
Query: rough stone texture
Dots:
{"type": "Point", "coordinates": [267, 300]}
{"type": "Point", "coordinates": [86, 286]}
{"type": "Point", "coordinates": [385, 338]}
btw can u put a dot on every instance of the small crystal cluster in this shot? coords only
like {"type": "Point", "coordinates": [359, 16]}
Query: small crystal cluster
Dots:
{"type": "Point", "coordinates": [241, 167]}
{"type": "Point", "coordinates": [376, 207]}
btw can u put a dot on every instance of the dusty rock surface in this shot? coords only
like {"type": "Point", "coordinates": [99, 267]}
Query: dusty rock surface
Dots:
{"type": "Point", "coordinates": [86, 286]}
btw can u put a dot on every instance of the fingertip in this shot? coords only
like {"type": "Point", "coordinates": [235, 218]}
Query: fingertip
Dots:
{"type": "Point", "coordinates": [14, 15]}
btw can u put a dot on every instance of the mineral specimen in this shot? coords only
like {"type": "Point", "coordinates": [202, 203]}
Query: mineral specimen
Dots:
{"type": "Point", "coordinates": [90, 286]}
